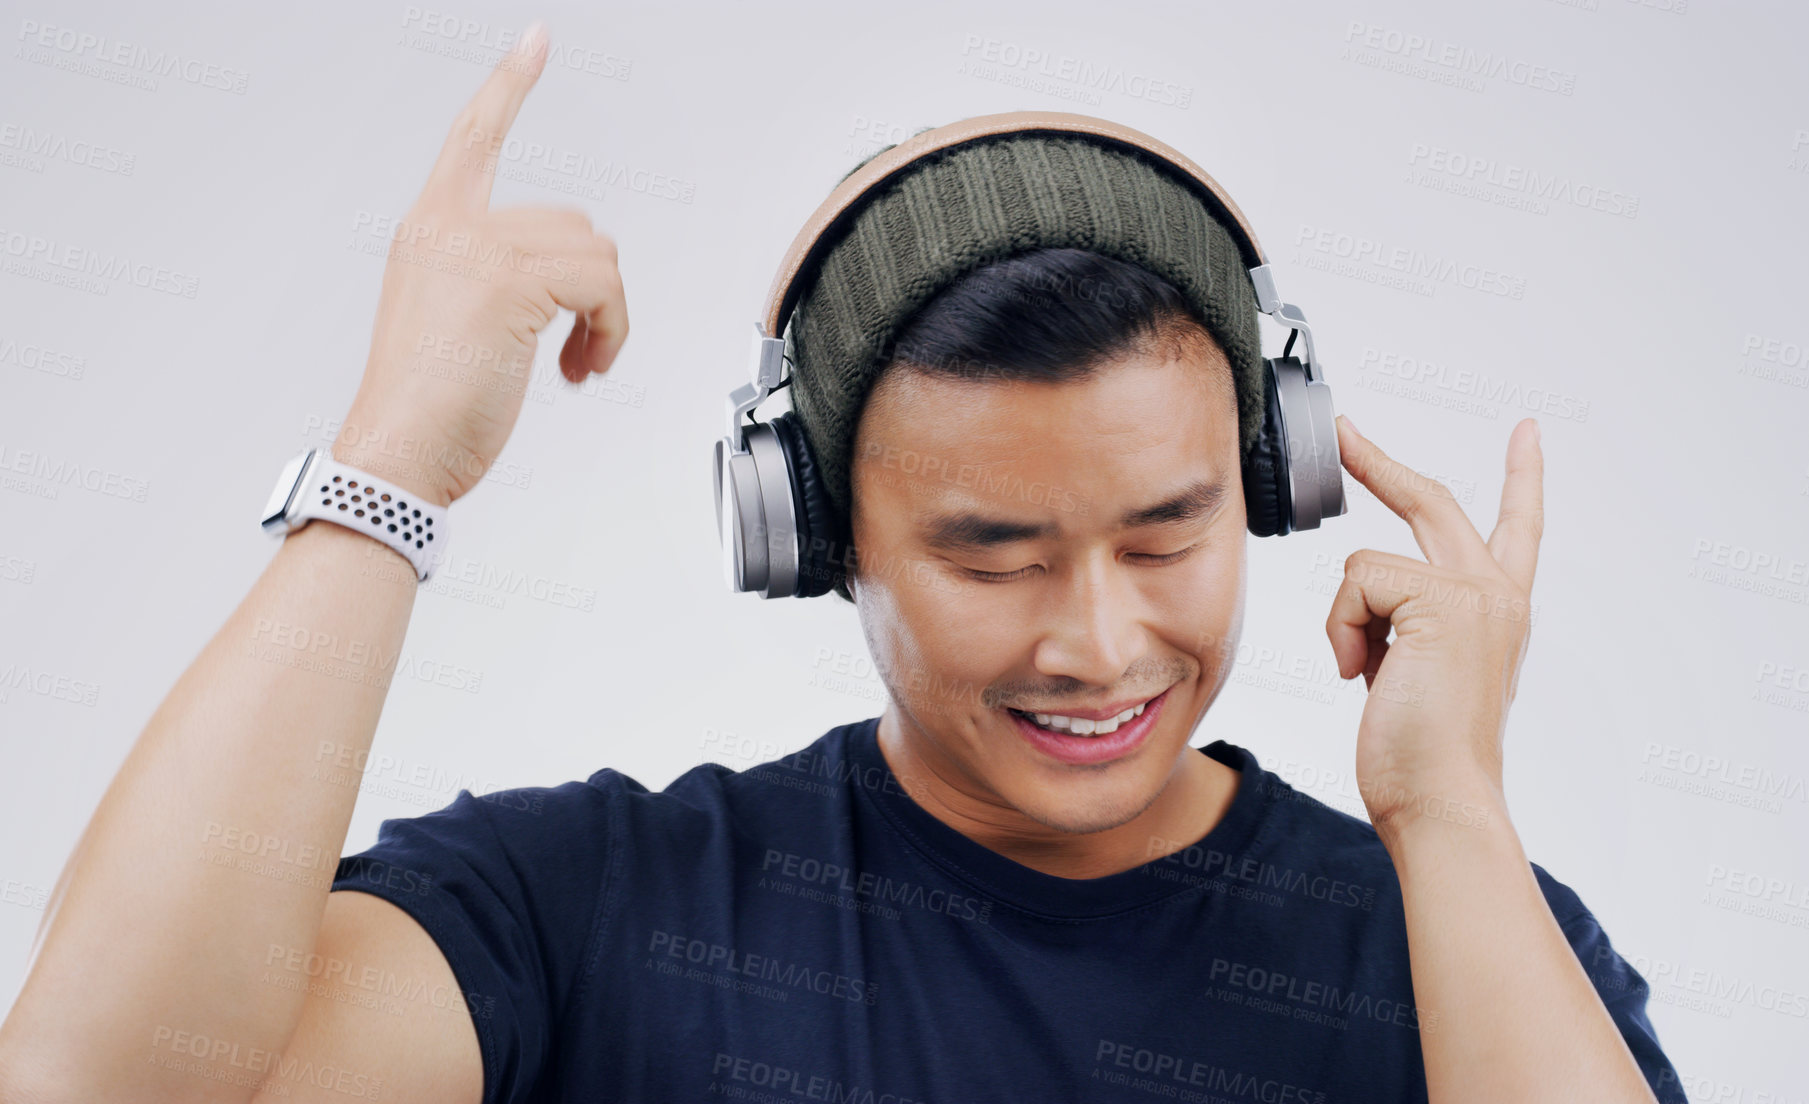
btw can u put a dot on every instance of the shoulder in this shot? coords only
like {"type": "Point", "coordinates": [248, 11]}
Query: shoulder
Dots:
{"type": "Point", "coordinates": [1293, 813]}
{"type": "Point", "coordinates": [1294, 820]}
{"type": "Point", "coordinates": [1296, 817]}
{"type": "Point", "coordinates": [1601, 960]}
{"type": "Point", "coordinates": [810, 783]}
{"type": "Point", "coordinates": [704, 789]}
{"type": "Point", "coordinates": [1566, 906]}
{"type": "Point", "coordinates": [1319, 866]}
{"type": "Point", "coordinates": [1301, 824]}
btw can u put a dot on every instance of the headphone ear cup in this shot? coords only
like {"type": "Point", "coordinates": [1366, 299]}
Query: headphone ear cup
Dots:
{"type": "Point", "coordinates": [1268, 499]}
{"type": "Point", "coordinates": [819, 528]}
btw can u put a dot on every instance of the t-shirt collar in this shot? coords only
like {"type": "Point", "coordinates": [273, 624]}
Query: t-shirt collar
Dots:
{"type": "Point", "coordinates": [1008, 881]}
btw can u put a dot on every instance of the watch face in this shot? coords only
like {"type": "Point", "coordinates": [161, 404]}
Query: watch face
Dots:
{"type": "Point", "coordinates": [282, 496]}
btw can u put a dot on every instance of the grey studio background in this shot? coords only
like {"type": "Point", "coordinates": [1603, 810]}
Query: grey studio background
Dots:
{"type": "Point", "coordinates": [1592, 212]}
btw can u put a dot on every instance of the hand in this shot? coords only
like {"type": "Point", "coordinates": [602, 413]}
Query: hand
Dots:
{"type": "Point", "coordinates": [466, 291]}
{"type": "Point", "coordinates": [1429, 743]}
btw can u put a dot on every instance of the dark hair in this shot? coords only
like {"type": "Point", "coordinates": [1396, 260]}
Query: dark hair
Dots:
{"type": "Point", "coordinates": [1049, 315]}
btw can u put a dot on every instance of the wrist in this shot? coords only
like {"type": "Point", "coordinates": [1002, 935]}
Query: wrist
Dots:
{"type": "Point", "coordinates": [374, 559]}
{"type": "Point", "coordinates": [1403, 816]}
{"type": "Point", "coordinates": [377, 455]}
{"type": "Point", "coordinates": [1428, 852]}
{"type": "Point", "coordinates": [351, 487]}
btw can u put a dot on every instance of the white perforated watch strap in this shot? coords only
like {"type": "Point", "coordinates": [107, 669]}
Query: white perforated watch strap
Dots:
{"type": "Point", "coordinates": [340, 493]}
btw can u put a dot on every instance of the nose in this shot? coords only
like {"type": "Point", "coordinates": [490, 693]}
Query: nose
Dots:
{"type": "Point", "coordinates": [1093, 625]}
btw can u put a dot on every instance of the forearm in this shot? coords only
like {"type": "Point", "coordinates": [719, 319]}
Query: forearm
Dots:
{"type": "Point", "coordinates": [1513, 1016]}
{"type": "Point", "coordinates": [218, 837]}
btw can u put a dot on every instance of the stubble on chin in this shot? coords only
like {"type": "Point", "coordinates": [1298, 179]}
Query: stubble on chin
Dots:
{"type": "Point", "coordinates": [1092, 816]}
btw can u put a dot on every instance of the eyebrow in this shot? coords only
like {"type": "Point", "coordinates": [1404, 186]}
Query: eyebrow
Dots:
{"type": "Point", "coordinates": [969, 529]}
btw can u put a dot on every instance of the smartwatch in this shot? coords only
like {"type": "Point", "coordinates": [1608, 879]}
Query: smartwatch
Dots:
{"type": "Point", "coordinates": [315, 487]}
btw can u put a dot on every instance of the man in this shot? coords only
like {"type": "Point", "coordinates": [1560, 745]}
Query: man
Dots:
{"type": "Point", "coordinates": [1019, 883]}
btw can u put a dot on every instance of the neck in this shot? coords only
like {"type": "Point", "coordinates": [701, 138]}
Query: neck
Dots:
{"type": "Point", "coordinates": [1198, 792]}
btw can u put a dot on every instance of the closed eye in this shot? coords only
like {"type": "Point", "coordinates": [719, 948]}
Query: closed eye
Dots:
{"type": "Point", "coordinates": [1010, 576]}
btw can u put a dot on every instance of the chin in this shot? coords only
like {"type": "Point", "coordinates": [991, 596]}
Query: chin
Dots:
{"type": "Point", "coordinates": [1086, 811]}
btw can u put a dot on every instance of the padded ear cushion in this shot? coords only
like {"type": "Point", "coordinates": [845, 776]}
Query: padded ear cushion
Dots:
{"type": "Point", "coordinates": [819, 529]}
{"type": "Point", "coordinates": [1267, 494]}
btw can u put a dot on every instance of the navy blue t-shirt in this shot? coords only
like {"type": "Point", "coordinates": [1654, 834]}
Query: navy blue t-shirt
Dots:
{"type": "Point", "coordinates": [803, 930]}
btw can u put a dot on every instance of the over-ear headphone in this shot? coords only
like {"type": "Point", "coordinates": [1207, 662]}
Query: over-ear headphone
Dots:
{"type": "Point", "coordinates": [780, 532]}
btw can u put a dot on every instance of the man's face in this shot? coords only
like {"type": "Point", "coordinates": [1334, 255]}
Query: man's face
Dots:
{"type": "Point", "coordinates": [956, 477]}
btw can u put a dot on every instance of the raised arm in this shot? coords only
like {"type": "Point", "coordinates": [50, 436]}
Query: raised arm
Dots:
{"type": "Point", "coordinates": [204, 872]}
{"type": "Point", "coordinates": [1507, 1011]}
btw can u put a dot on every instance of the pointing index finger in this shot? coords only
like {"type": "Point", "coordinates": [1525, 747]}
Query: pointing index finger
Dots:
{"type": "Point", "coordinates": [465, 170]}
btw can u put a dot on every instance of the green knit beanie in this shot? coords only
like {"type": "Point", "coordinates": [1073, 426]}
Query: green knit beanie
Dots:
{"type": "Point", "coordinates": [956, 210]}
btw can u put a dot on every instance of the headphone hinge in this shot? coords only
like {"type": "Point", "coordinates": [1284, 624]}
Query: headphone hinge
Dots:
{"type": "Point", "coordinates": [766, 367]}
{"type": "Point", "coordinates": [1268, 300]}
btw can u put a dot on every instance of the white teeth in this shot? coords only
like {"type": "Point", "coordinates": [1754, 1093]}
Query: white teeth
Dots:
{"type": "Point", "coordinates": [1080, 726]}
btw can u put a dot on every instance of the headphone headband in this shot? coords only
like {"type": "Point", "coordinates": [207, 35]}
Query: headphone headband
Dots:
{"type": "Point", "coordinates": [774, 518]}
{"type": "Point", "coordinates": [842, 204]}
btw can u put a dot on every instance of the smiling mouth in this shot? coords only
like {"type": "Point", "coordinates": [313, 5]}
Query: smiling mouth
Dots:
{"type": "Point", "coordinates": [1080, 726]}
{"type": "Point", "coordinates": [1103, 741]}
